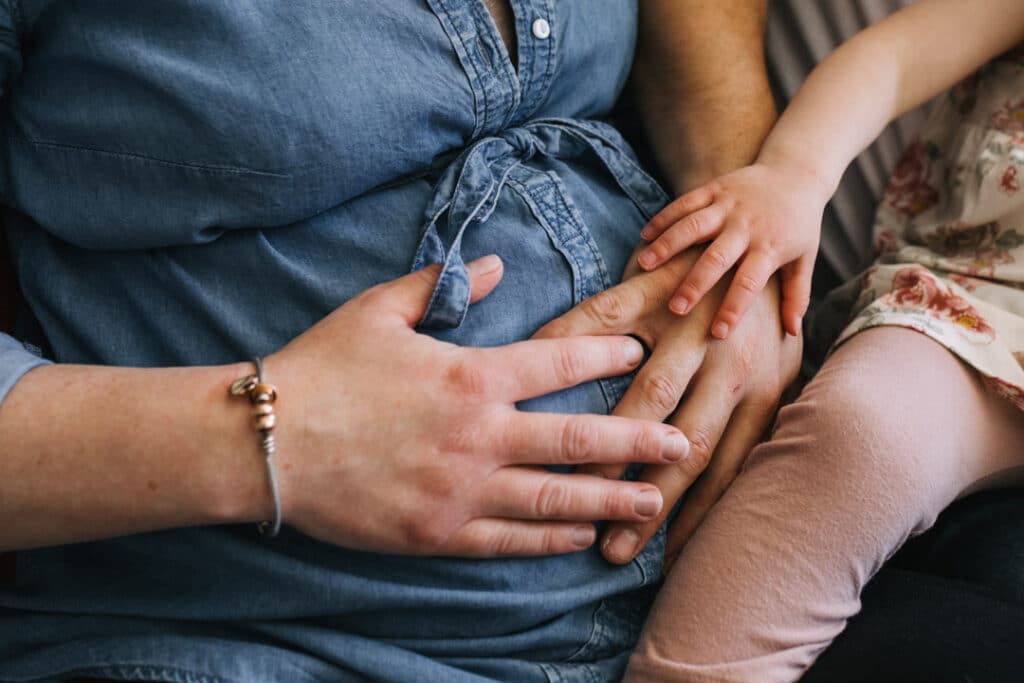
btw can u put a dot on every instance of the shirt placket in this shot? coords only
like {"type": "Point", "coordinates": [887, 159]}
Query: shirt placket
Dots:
{"type": "Point", "coordinates": [479, 47]}
{"type": "Point", "coordinates": [538, 31]}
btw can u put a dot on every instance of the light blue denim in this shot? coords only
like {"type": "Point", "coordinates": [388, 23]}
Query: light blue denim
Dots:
{"type": "Point", "coordinates": [199, 182]}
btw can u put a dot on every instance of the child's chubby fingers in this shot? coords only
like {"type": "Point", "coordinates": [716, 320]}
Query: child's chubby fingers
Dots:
{"type": "Point", "coordinates": [716, 260]}
{"type": "Point", "coordinates": [692, 229]}
{"type": "Point", "coordinates": [796, 293]}
{"type": "Point", "coordinates": [695, 200]}
{"type": "Point", "coordinates": [750, 279]}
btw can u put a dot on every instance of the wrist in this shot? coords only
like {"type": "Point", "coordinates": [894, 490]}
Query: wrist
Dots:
{"type": "Point", "coordinates": [697, 141]}
{"type": "Point", "coordinates": [232, 486]}
{"type": "Point", "coordinates": [789, 158]}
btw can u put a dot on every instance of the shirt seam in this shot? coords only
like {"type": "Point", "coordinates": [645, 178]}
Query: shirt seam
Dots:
{"type": "Point", "coordinates": [134, 156]}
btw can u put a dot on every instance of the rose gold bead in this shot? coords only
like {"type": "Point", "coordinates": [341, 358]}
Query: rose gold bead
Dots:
{"type": "Point", "coordinates": [265, 423]}
{"type": "Point", "coordinates": [263, 393]}
{"type": "Point", "coordinates": [263, 409]}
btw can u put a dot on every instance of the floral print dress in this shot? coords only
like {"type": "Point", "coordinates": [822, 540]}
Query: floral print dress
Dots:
{"type": "Point", "coordinates": [950, 231]}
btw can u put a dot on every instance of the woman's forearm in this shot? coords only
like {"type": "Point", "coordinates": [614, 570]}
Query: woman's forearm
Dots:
{"type": "Point", "coordinates": [702, 86]}
{"type": "Point", "coordinates": [884, 71]}
{"type": "Point", "coordinates": [388, 440]}
{"type": "Point", "coordinates": [91, 452]}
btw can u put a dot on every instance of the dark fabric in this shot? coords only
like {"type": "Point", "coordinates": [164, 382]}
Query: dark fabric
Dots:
{"type": "Point", "coordinates": [948, 607]}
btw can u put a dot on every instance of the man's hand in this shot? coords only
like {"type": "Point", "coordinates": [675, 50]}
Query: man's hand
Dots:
{"type": "Point", "coordinates": [729, 389]}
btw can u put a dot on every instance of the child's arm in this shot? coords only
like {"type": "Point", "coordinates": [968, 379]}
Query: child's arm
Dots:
{"type": "Point", "coordinates": [768, 215]}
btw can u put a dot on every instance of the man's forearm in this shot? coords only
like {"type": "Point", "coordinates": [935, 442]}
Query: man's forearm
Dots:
{"type": "Point", "coordinates": [702, 86]}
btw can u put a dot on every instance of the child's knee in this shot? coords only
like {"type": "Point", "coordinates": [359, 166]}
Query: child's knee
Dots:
{"type": "Point", "coordinates": [851, 447]}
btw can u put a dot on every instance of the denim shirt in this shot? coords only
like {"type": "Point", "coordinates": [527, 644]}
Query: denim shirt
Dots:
{"type": "Point", "coordinates": [198, 182]}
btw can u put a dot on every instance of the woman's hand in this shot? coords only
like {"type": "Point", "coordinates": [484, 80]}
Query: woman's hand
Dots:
{"type": "Point", "coordinates": [731, 387]}
{"type": "Point", "coordinates": [392, 441]}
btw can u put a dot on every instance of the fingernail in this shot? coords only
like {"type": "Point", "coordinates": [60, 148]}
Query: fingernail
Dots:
{"type": "Point", "coordinates": [675, 446]}
{"type": "Point", "coordinates": [720, 330]}
{"type": "Point", "coordinates": [622, 545]}
{"type": "Point", "coordinates": [633, 352]}
{"type": "Point", "coordinates": [484, 265]}
{"type": "Point", "coordinates": [647, 233]}
{"type": "Point", "coordinates": [583, 536]}
{"type": "Point", "coordinates": [647, 503]}
{"type": "Point", "coordinates": [646, 259]}
{"type": "Point", "coordinates": [679, 304]}
{"type": "Point", "coordinates": [799, 325]}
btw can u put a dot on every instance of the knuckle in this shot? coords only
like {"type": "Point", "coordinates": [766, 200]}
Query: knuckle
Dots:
{"type": "Point", "coordinates": [614, 504]}
{"type": "Point", "coordinates": [770, 247]}
{"type": "Point", "coordinates": [743, 362]}
{"type": "Point", "coordinates": [646, 443]}
{"type": "Point", "coordinates": [747, 283]}
{"type": "Point", "coordinates": [691, 287]}
{"type": "Point", "coordinates": [606, 309]}
{"type": "Point", "coordinates": [460, 438]}
{"type": "Point", "coordinates": [701, 448]}
{"type": "Point", "coordinates": [693, 226]}
{"type": "Point", "coordinates": [372, 299]}
{"type": "Point", "coordinates": [426, 534]}
{"type": "Point", "coordinates": [557, 328]}
{"type": "Point", "coordinates": [552, 499]}
{"type": "Point", "coordinates": [579, 440]}
{"type": "Point", "coordinates": [660, 391]}
{"type": "Point", "coordinates": [569, 366]}
{"type": "Point", "coordinates": [547, 540]}
{"type": "Point", "coordinates": [661, 247]}
{"type": "Point", "coordinates": [439, 476]}
{"type": "Point", "coordinates": [467, 378]}
{"type": "Point", "coordinates": [505, 542]}
{"type": "Point", "coordinates": [716, 258]}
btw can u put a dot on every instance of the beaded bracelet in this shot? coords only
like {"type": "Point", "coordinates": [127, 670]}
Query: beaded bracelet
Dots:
{"type": "Point", "coordinates": [262, 396]}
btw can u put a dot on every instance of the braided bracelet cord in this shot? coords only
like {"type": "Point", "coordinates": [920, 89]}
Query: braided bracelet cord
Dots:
{"type": "Point", "coordinates": [262, 396]}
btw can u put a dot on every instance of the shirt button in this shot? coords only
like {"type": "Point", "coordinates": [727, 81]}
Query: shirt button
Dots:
{"type": "Point", "coordinates": [541, 29]}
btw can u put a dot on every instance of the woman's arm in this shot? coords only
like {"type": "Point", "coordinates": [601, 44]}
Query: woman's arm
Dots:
{"type": "Point", "coordinates": [90, 452]}
{"type": "Point", "coordinates": [884, 71]}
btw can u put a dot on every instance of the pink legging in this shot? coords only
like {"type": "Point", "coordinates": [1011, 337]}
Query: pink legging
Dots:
{"type": "Point", "coordinates": [891, 431]}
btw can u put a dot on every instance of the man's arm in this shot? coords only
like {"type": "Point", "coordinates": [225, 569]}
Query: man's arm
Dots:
{"type": "Point", "coordinates": [702, 90]}
{"type": "Point", "coordinates": [701, 86]}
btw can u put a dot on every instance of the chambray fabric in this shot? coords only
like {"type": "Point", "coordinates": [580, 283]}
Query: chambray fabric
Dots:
{"type": "Point", "coordinates": [195, 182]}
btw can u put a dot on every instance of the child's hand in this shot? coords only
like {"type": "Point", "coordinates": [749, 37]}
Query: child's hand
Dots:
{"type": "Point", "coordinates": [766, 216]}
